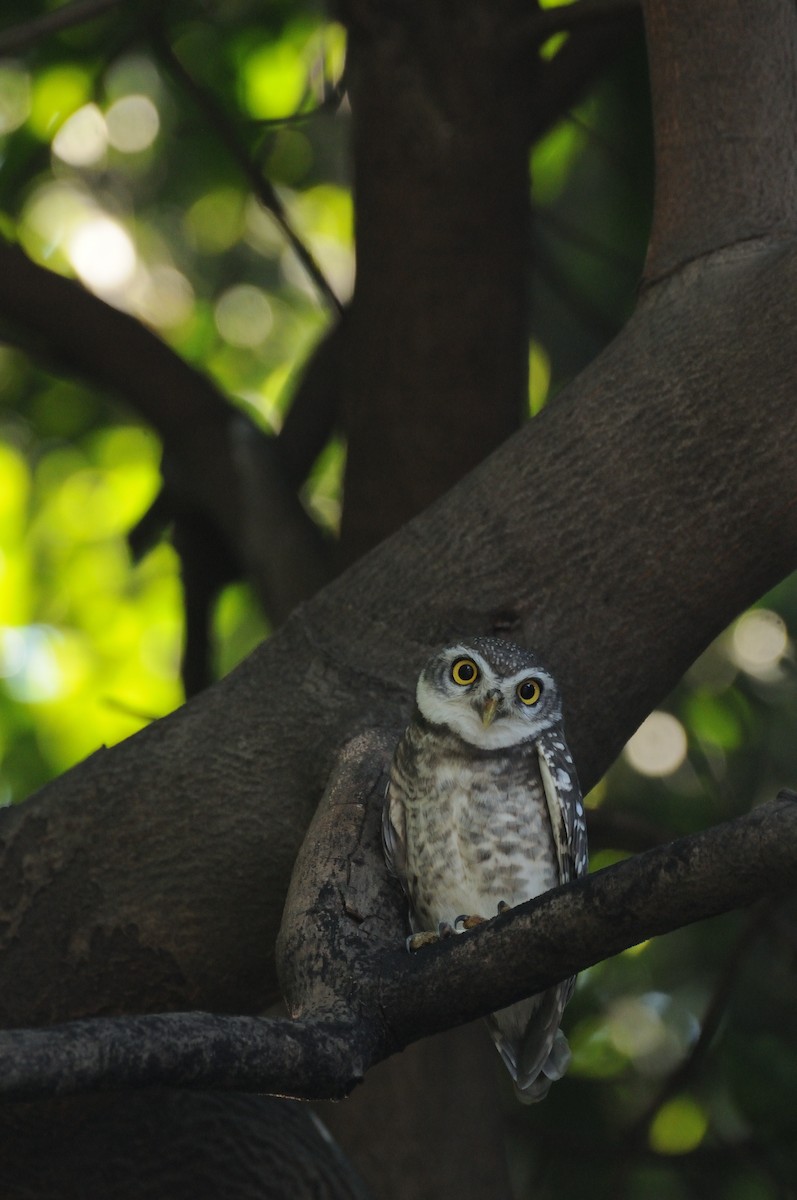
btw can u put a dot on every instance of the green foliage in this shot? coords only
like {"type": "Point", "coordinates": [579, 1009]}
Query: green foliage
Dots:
{"type": "Point", "coordinates": [111, 174]}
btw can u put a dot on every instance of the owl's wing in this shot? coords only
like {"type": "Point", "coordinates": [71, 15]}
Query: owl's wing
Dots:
{"type": "Point", "coordinates": [394, 832]}
{"type": "Point", "coordinates": [529, 1040]}
{"type": "Point", "coordinates": [565, 807]}
{"type": "Point", "coordinates": [527, 1034]}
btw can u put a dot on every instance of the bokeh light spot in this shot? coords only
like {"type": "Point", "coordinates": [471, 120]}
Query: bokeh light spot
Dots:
{"type": "Point", "coordinates": [15, 97]}
{"type": "Point", "coordinates": [595, 1055]}
{"type": "Point", "coordinates": [133, 74]}
{"type": "Point", "coordinates": [133, 124]}
{"type": "Point", "coordinates": [659, 745]}
{"type": "Point", "coordinates": [759, 641]}
{"type": "Point", "coordinates": [51, 214]}
{"type": "Point", "coordinates": [57, 93]}
{"type": "Point", "coordinates": [678, 1127]}
{"type": "Point", "coordinates": [28, 663]}
{"type": "Point", "coordinates": [163, 297]}
{"type": "Point", "coordinates": [635, 1028]}
{"type": "Point", "coordinates": [215, 221]}
{"type": "Point", "coordinates": [102, 253]}
{"type": "Point", "coordinates": [274, 79]}
{"type": "Point", "coordinates": [82, 139]}
{"type": "Point", "coordinates": [243, 316]}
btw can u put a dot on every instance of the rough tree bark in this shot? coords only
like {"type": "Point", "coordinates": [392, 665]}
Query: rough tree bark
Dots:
{"type": "Point", "coordinates": [354, 995]}
{"type": "Point", "coordinates": [618, 533]}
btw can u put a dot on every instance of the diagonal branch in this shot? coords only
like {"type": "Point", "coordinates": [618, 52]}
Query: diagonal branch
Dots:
{"type": "Point", "coordinates": [80, 12]}
{"type": "Point", "coordinates": [361, 997]}
{"type": "Point", "coordinates": [228, 137]}
{"type": "Point", "coordinates": [200, 429]}
{"type": "Point", "coordinates": [710, 1023]}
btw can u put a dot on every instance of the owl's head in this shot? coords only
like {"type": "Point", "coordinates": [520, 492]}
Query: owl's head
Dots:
{"type": "Point", "coordinates": [491, 693]}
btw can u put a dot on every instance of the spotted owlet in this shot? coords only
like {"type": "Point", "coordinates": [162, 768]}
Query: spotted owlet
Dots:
{"type": "Point", "coordinates": [483, 811]}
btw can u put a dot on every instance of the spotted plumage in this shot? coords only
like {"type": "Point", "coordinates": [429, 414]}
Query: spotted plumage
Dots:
{"type": "Point", "coordinates": [483, 809]}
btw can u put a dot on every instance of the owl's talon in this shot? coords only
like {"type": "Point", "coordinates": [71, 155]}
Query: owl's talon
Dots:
{"type": "Point", "coordinates": [468, 921]}
{"type": "Point", "coordinates": [429, 936]}
{"type": "Point", "coordinates": [416, 941]}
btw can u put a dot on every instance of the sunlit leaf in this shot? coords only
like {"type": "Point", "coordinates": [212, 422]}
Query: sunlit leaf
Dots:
{"type": "Point", "coordinates": [552, 160]}
{"type": "Point", "coordinates": [713, 720]}
{"type": "Point", "coordinates": [57, 93]}
{"type": "Point", "coordinates": [539, 377]}
{"type": "Point", "coordinates": [595, 1054]}
{"type": "Point", "coordinates": [273, 81]}
{"type": "Point", "coordinates": [14, 488]}
{"type": "Point", "coordinates": [15, 96]}
{"type": "Point", "coordinates": [215, 221]}
{"type": "Point", "coordinates": [678, 1127]}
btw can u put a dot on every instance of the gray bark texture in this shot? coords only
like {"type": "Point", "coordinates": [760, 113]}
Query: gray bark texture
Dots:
{"type": "Point", "coordinates": [616, 534]}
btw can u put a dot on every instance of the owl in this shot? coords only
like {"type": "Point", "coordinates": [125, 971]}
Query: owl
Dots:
{"type": "Point", "coordinates": [483, 811]}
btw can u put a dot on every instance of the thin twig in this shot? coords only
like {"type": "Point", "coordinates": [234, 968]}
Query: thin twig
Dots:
{"type": "Point", "coordinates": [585, 241]}
{"type": "Point", "coordinates": [588, 313]}
{"type": "Point", "coordinates": [333, 96]}
{"type": "Point", "coordinates": [19, 37]}
{"type": "Point", "coordinates": [260, 185]}
{"type": "Point", "coordinates": [678, 1079]}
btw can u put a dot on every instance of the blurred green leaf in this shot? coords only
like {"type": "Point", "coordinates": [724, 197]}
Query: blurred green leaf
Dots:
{"type": "Point", "coordinates": [714, 719]}
{"type": "Point", "coordinates": [678, 1127]}
{"type": "Point", "coordinates": [57, 93]}
{"type": "Point", "coordinates": [595, 1055]}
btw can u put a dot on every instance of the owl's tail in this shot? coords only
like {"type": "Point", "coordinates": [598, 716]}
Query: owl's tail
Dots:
{"type": "Point", "coordinates": [531, 1043]}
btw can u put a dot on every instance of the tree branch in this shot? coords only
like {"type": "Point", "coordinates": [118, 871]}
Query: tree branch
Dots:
{"type": "Point", "coordinates": [678, 1080]}
{"type": "Point", "coordinates": [361, 997]}
{"type": "Point", "coordinates": [725, 139]}
{"type": "Point", "coordinates": [80, 12]}
{"type": "Point", "coordinates": [228, 137]}
{"type": "Point", "coordinates": [315, 409]}
{"type": "Point", "coordinates": [201, 431]}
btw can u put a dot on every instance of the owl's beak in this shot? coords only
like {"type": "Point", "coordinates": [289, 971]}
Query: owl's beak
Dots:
{"type": "Point", "coordinates": [490, 709]}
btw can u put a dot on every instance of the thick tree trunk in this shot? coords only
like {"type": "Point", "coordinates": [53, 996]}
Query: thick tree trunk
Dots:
{"type": "Point", "coordinates": [436, 375]}
{"type": "Point", "coordinates": [164, 1144]}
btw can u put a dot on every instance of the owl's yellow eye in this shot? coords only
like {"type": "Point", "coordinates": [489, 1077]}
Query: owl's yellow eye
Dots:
{"type": "Point", "coordinates": [529, 691]}
{"type": "Point", "coordinates": [464, 672]}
